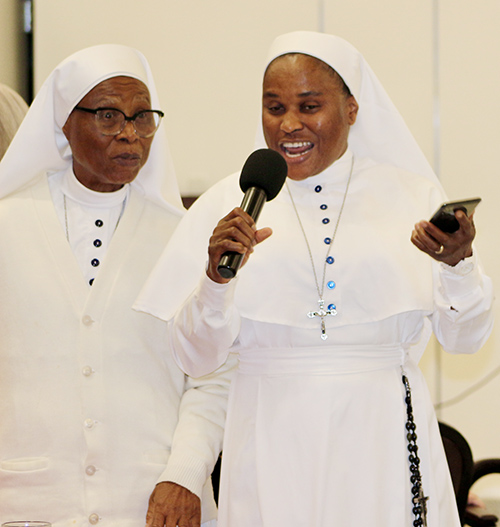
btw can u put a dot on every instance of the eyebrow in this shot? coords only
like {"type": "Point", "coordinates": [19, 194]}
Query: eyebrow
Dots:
{"type": "Point", "coordinates": [311, 93]}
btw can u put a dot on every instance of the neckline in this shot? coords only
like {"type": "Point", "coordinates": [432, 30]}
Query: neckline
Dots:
{"type": "Point", "coordinates": [86, 197]}
{"type": "Point", "coordinates": [336, 174]}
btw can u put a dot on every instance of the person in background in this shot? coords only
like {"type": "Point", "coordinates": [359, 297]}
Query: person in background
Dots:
{"type": "Point", "coordinates": [329, 418]}
{"type": "Point", "coordinates": [96, 416]}
{"type": "Point", "coordinates": [13, 108]}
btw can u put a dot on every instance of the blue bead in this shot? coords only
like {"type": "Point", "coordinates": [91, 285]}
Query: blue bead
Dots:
{"type": "Point", "coordinates": [328, 241]}
{"type": "Point", "coordinates": [326, 220]}
{"type": "Point", "coordinates": [332, 307]}
{"type": "Point", "coordinates": [331, 284]}
{"type": "Point", "coordinates": [318, 188]}
{"type": "Point", "coordinates": [330, 260]}
{"type": "Point", "coordinates": [323, 207]}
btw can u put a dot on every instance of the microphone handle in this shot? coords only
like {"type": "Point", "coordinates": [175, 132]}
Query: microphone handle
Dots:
{"type": "Point", "coordinates": [252, 203]}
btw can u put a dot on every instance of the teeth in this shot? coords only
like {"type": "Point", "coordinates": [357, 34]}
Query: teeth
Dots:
{"type": "Point", "coordinates": [298, 144]}
{"type": "Point", "coordinates": [289, 148]}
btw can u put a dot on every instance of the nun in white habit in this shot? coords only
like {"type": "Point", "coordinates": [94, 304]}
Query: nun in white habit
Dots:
{"type": "Point", "coordinates": [95, 413]}
{"type": "Point", "coordinates": [320, 407]}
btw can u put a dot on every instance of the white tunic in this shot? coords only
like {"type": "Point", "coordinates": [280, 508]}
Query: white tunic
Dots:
{"type": "Point", "coordinates": [315, 432]}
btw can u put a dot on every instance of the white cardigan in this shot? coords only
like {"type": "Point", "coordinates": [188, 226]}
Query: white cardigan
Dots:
{"type": "Point", "coordinates": [94, 410]}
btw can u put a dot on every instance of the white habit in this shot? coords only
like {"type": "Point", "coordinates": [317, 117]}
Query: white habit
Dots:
{"type": "Point", "coordinates": [315, 432]}
{"type": "Point", "coordinates": [94, 409]}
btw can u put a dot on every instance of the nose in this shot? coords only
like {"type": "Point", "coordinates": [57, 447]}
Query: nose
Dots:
{"type": "Point", "coordinates": [128, 132]}
{"type": "Point", "coordinates": [291, 122]}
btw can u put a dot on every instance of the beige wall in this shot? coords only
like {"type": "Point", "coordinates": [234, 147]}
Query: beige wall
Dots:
{"type": "Point", "coordinates": [207, 59]}
{"type": "Point", "coordinates": [12, 46]}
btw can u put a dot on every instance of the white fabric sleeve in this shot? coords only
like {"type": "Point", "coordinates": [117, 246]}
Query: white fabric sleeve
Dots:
{"type": "Point", "coordinates": [197, 440]}
{"type": "Point", "coordinates": [463, 315]}
{"type": "Point", "coordinates": [204, 328]}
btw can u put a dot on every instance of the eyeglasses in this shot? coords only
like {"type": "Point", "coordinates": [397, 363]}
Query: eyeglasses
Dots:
{"type": "Point", "coordinates": [111, 121]}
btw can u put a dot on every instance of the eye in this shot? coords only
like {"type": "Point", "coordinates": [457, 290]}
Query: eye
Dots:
{"type": "Point", "coordinates": [108, 115]}
{"type": "Point", "coordinates": [275, 108]}
{"type": "Point", "coordinates": [310, 107]}
{"type": "Point", "coordinates": [144, 116]}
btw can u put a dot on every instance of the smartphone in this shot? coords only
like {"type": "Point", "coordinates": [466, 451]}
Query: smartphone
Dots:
{"type": "Point", "coordinates": [444, 217]}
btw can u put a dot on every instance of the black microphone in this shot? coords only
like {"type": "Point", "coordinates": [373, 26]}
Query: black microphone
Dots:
{"type": "Point", "coordinates": [262, 177]}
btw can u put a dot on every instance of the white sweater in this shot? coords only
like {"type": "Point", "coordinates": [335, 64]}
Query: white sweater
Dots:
{"type": "Point", "coordinates": [94, 410]}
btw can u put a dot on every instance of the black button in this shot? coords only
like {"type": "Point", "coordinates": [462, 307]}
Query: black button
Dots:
{"type": "Point", "coordinates": [323, 207]}
{"type": "Point", "coordinates": [326, 220]}
{"type": "Point", "coordinates": [95, 262]}
{"type": "Point", "coordinates": [91, 281]}
{"type": "Point", "coordinates": [97, 243]}
{"type": "Point", "coordinates": [317, 188]}
{"type": "Point", "coordinates": [99, 223]}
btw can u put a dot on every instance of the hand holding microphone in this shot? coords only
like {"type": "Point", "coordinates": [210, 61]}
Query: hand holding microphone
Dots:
{"type": "Point", "coordinates": [261, 180]}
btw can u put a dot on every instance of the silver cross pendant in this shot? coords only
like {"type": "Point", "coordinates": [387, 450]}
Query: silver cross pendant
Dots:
{"type": "Point", "coordinates": [322, 313]}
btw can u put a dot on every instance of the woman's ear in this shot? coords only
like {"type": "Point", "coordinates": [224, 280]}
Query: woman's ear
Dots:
{"type": "Point", "coordinates": [352, 109]}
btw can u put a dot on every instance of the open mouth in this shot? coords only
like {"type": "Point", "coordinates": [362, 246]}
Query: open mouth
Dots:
{"type": "Point", "coordinates": [296, 148]}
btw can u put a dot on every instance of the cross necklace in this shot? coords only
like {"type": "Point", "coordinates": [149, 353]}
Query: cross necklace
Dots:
{"type": "Point", "coordinates": [321, 312]}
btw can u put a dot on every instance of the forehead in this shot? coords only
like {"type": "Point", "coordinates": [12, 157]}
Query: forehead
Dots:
{"type": "Point", "coordinates": [116, 89]}
{"type": "Point", "coordinates": [295, 65]}
{"type": "Point", "coordinates": [300, 72]}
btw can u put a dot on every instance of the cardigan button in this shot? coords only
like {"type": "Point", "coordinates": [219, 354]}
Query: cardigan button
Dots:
{"type": "Point", "coordinates": [89, 423]}
{"type": "Point", "coordinates": [94, 519]}
{"type": "Point", "coordinates": [90, 470]}
{"type": "Point", "coordinates": [87, 320]}
{"type": "Point", "coordinates": [87, 371]}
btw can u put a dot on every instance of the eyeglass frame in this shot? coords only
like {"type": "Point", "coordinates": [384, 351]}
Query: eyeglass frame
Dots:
{"type": "Point", "coordinates": [126, 118]}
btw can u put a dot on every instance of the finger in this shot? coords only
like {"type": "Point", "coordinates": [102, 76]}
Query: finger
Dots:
{"type": "Point", "coordinates": [425, 241]}
{"type": "Point", "coordinates": [263, 234]}
{"type": "Point", "coordinates": [158, 520]}
{"type": "Point", "coordinates": [466, 223]}
{"type": "Point", "coordinates": [241, 217]}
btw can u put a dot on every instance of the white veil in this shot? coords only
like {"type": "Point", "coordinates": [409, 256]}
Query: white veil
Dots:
{"type": "Point", "coordinates": [40, 145]}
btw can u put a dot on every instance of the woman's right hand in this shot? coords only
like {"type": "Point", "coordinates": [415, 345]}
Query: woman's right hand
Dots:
{"type": "Point", "coordinates": [235, 232]}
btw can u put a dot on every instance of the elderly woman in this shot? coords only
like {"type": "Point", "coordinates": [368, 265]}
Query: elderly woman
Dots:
{"type": "Point", "coordinates": [13, 108]}
{"type": "Point", "coordinates": [330, 314]}
{"type": "Point", "coordinates": [94, 410]}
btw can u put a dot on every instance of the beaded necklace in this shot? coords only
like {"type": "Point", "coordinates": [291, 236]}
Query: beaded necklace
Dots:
{"type": "Point", "coordinates": [322, 313]}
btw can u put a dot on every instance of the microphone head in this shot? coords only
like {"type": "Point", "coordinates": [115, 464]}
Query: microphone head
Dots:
{"type": "Point", "coordinates": [264, 169]}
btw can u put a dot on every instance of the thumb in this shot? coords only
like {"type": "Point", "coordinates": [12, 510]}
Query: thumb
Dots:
{"type": "Point", "coordinates": [262, 234]}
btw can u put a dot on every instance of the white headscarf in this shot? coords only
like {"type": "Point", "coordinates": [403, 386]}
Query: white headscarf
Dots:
{"type": "Point", "coordinates": [379, 132]}
{"type": "Point", "coordinates": [40, 145]}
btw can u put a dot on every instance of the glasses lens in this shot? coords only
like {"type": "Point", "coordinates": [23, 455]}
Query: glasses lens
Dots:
{"type": "Point", "coordinates": [109, 121]}
{"type": "Point", "coordinates": [146, 123]}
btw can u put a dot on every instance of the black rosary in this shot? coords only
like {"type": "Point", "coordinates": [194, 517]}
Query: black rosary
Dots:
{"type": "Point", "coordinates": [419, 500]}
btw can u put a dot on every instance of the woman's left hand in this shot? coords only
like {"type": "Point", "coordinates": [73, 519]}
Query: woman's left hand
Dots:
{"type": "Point", "coordinates": [171, 505]}
{"type": "Point", "coordinates": [445, 247]}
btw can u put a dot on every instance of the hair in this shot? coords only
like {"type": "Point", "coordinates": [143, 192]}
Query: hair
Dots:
{"type": "Point", "coordinates": [338, 80]}
{"type": "Point", "coordinates": [13, 108]}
